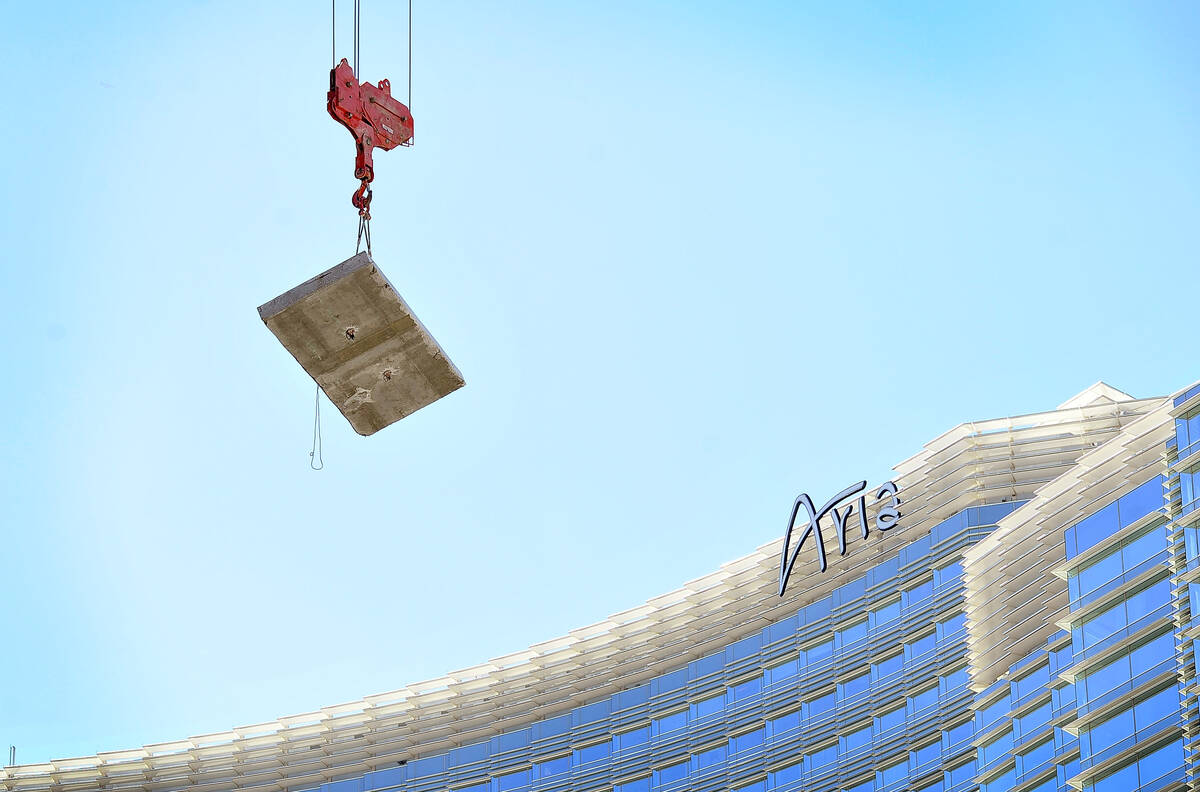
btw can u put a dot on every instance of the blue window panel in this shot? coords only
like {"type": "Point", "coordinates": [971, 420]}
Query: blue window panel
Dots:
{"type": "Point", "coordinates": [669, 683]}
{"type": "Point", "coordinates": [1001, 783]}
{"type": "Point", "coordinates": [855, 740]}
{"type": "Point", "coordinates": [632, 697]}
{"type": "Point", "coordinates": [921, 702]}
{"type": "Point", "coordinates": [917, 596]}
{"type": "Point", "coordinates": [708, 759]}
{"type": "Point", "coordinates": [706, 707]}
{"type": "Point", "coordinates": [996, 749]}
{"type": "Point", "coordinates": [757, 786]}
{"type": "Point", "coordinates": [1031, 684]}
{"type": "Point", "coordinates": [866, 786]}
{"type": "Point", "coordinates": [817, 654]}
{"type": "Point", "coordinates": [470, 754]}
{"type": "Point", "coordinates": [952, 629]}
{"type": "Point", "coordinates": [590, 713]}
{"type": "Point", "coordinates": [784, 776]}
{"type": "Point", "coordinates": [954, 683]}
{"type": "Point", "coordinates": [1091, 530]}
{"type": "Point", "coordinates": [517, 780]}
{"type": "Point", "coordinates": [886, 722]}
{"type": "Point", "coordinates": [958, 737]}
{"type": "Point", "coordinates": [849, 637]}
{"type": "Point", "coordinates": [855, 686]}
{"type": "Point", "coordinates": [482, 786]}
{"type": "Point", "coordinates": [892, 776]}
{"type": "Point", "coordinates": [920, 649]}
{"type": "Point", "coordinates": [885, 614]}
{"type": "Point", "coordinates": [745, 689]}
{"type": "Point", "coordinates": [671, 774]}
{"type": "Point", "coordinates": [921, 759]}
{"type": "Point", "coordinates": [1106, 735]}
{"type": "Point", "coordinates": [669, 723]}
{"type": "Point", "coordinates": [986, 717]}
{"type": "Point", "coordinates": [822, 705]}
{"type": "Point", "coordinates": [784, 726]}
{"type": "Point", "coordinates": [1033, 721]}
{"type": "Point", "coordinates": [640, 785]}
{"type": "Point", "coordinates": [1033, 759]}
{"type": "Point", "coordinates": [947, 577]}
{"type": "Point", "coordinates": [1145, 499]}
{"type": "Point", "coordinates": [706, 666]}
{"type": "Point", "coordinates": [552, 767]}
{"type": "Point", "coordinates": [887, 667]}
{"type": "Point", "coordinates": [936, 786]}
{"type": "Point", "coordinates": [782, 672]}
{"type": "Point", "coordinates": [591, 753]}
{"type": "Point", "coordinates": [631, 738]}
{"type": "Point", "coordinates": [961, 774]}
{"type": "Point", "coordinates": [747, 741]}
{"type": "Point", "coordinates": [1163, 764]}
{"type": "Point", "coordinates": [821, 759]}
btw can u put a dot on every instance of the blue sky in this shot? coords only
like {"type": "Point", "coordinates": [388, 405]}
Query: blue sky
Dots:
{"type": "Point", "coordinates": [692, 258]}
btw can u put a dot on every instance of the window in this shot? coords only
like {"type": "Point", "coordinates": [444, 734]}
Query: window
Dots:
{"type": "Point", "coordinates": [956, 737]}
{"type": "Point", "coordinates": [591, 753]}
{"type": "Point", "coordinates": [1125, 616]}
{"type": "Point", "coordinates": [745, 689]}
{"type": "Point", "coordinates": [961, 774]}
{"type": "Point", "coordinates": [953, 683]}
{"type": "Point", "coordinates": [854, 741]}
{"type": "Point", "coordinates": [947, 577]}
{"type": "Point", "coordinates": [640, 785]}
{"type": "Point", "coordinates": [515, 780]}
{"type": "Point", "coordinates": [1150, 659]}
{"type": "Point", "coordinates": [850, 636]}
{"type": "Point", "coordinates": [821, 758]}
{"type": "Point", "coordinates": [919, 759]}
{"type": "Point", "coordinates": [1033, 759]}
{"type": "Point", "coordinates": [783, 776]}
{"type": "Point", "coordinates": [1031, 684]}
{"type": "Point", "coordinates": [551, 767]}
{"type": "Point", "coordinates": [782, 671]}
{"type": "Point", "coordinates": [920, 649]}
{"type": "Point", "coordinates": [631, 738]}
{"type": "Point", "coordinates": [887, 667]}
{"type": "Point", "coordinates": [986, 717]}
{"type": "Point", "coordinates": [819, 706]}
{"type": "Point", "coordinates": [996, 749]}
{"type": "Point", "coordinates": [886, 721]}
{"type": "Point", "coordinates": [746, 741]}
{"type": "Point", "coordinates": [817, 653]}
{"type": "Point", "coordinates": [1032, 721]}
{"type": "Point", "coordinates": [1122, 729]}
{"type": "Point", "coordinates": [784, 725]}
{"type": "Point", "coordinates": [952, 629]}
{"type": "Point", "coordinates": [885, 614]}
{"type": "Point", "coordinates": [1144, 772]}
{"type": "Point", "coordinates": [852, 687]}
{"type": "Point", "coordinates": [669, 723]}
{"type": "Point", "coordinates": [707, 759]}
{"type": "Point", "coordinates": [670, 774]}
{"type": "Point", "coordinates": [917, 595]}
{"type": "Point", "coordinates": [922, 702]}
{"type": "Point", "coordinates": [892, 776]}
{"type": "Point", "coordinates": [706, 707]}
{"type": "Point", "coordinates": [1001, 783]}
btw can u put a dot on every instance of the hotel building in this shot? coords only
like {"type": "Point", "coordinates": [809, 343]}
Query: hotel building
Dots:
{"type": "Point", "coordinates": [1025, 625]}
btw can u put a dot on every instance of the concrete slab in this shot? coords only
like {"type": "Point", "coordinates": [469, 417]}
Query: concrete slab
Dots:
{"type": "Point", "coordinates": [354, 334]}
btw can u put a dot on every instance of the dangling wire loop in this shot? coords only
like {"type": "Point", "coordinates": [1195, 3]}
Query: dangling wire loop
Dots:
{"type": "Point", "coordinates": [315, 460]}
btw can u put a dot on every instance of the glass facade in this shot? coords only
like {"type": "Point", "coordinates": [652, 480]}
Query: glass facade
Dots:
{"type": "Point", "coordinates": [867, 689]}
{"type": "Point", "coordinates": [871, 687]}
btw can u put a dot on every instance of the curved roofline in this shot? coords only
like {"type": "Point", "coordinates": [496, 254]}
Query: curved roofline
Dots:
{"type": "Point", "coordinates": [973, 464]}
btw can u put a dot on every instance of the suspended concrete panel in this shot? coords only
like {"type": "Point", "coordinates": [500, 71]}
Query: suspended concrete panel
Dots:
{"type": "Point", "coordinates": [355, 335]}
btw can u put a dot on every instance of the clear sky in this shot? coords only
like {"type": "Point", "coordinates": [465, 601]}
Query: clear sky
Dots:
{"type": "Point", "coordinates": [692, 258]}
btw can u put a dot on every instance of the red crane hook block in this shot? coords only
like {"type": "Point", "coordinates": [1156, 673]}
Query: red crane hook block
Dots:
{"type": "Point", "coordinates": [372, 116]}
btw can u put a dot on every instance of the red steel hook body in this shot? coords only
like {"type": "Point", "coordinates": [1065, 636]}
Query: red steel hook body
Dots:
{"type": "Point", "coordinates": [373, 117]}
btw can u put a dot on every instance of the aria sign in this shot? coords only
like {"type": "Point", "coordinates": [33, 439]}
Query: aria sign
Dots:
{"type": "Point", "coordinates": [885, 520]}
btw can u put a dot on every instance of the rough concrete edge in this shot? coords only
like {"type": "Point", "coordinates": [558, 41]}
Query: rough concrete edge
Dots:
{"type": "Point", "coordinates": [295, 295]}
